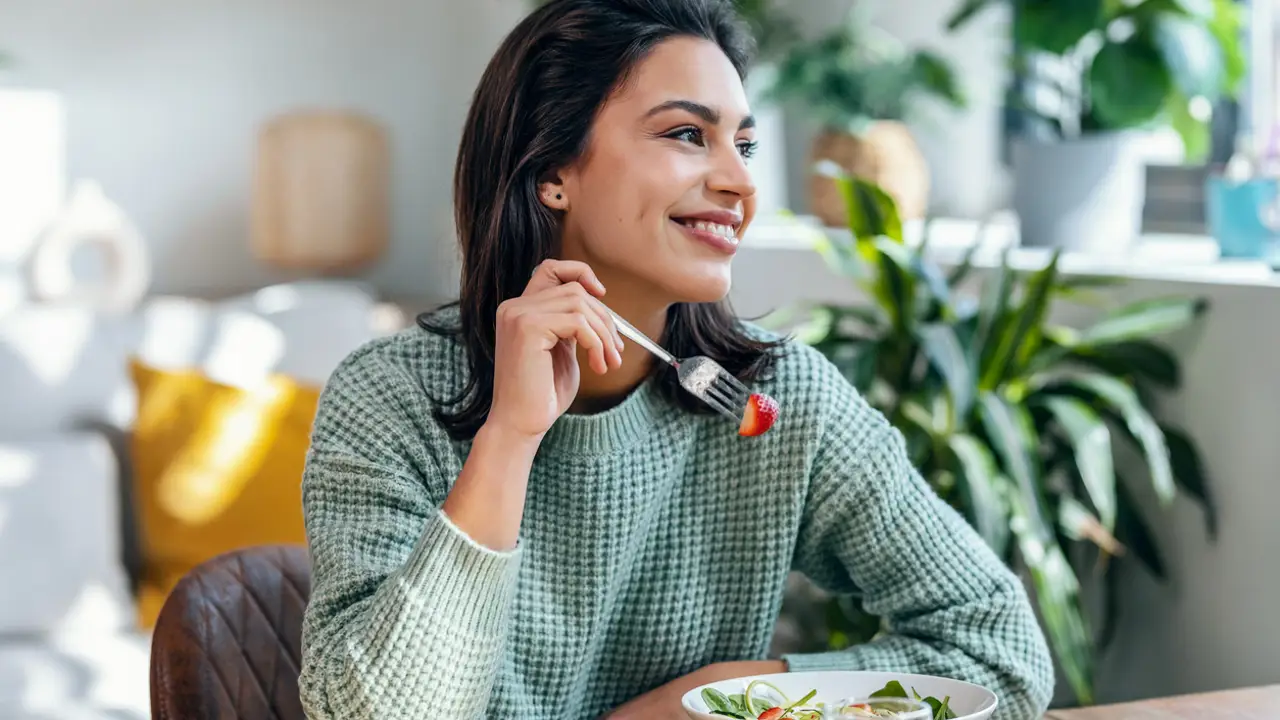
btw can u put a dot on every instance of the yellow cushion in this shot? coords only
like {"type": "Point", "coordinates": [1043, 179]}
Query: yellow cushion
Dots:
{"type": "Point", "coordinates": [216, 468]}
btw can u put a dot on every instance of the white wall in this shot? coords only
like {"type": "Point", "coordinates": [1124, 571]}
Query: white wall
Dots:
{"type": "Point", "coordinates": [163, 100]}
{"type": "Point", "coordinates": [1215, 624]}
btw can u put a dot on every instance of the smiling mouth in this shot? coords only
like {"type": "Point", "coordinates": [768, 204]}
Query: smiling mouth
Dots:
{"type": "Point", "coordinates": [726, 231]}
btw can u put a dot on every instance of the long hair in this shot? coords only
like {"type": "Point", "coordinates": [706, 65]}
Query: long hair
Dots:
{"type": "Point", "coordinates": [532, 114]}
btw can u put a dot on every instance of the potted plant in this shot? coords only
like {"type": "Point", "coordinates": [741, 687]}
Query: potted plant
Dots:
{"type": "Point", "coordinates": [1011, 418]}
{"type": "Point", "coordinates": [859, 84]}
{"type": "Point", "coordinates": [1091, 79]}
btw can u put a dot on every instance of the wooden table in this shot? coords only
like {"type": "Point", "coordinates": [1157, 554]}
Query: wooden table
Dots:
{"type": "Point", "coordinates": [1244, 704]}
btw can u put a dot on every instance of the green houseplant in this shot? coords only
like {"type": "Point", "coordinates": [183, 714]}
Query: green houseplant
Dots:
{"type": "Point", "coordinates": [1090, 79]}
{"type": "Point", "coordinates": [859, 84]}
{"type": "Point", "coordinates": [1011, 418]}
{"type": "Point", "coordinates": [1127, 64]}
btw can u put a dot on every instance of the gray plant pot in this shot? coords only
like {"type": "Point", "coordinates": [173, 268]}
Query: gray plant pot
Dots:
{"type": "Point", "coordinates": [1080, 195]}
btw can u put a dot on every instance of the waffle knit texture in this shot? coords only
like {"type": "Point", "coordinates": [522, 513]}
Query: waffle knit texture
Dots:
{"type": "Point", "coordinates": [654, 542]}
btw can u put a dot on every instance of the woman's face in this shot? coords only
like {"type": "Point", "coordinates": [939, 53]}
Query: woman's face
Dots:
{"type": "Point", "coordinates": [658, 201]}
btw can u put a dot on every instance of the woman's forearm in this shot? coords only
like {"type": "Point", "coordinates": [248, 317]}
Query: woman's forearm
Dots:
{"type": "Point", "coordinates": [487, 500]}
{"type": "Point", "coordinates": [408, 615]}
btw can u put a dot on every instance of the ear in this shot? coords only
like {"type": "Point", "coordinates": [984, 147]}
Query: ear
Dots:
{"type": "Point", "coordinates": [552, 193]}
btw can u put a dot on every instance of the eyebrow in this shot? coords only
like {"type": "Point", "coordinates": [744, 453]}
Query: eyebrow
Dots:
{"type": "Point", "coordinates": [710, 115]}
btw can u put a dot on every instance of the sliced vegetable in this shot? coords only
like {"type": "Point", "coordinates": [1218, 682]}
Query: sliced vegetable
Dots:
{"type": "Point", "coordinates": [891, 701]}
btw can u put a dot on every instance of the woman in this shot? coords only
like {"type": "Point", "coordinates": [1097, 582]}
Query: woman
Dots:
{"type": "Point", "coordinates": [514, 514]}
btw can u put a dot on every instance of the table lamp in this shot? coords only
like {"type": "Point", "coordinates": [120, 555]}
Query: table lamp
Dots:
{"type": "Point", "coordinates": [321, 192]}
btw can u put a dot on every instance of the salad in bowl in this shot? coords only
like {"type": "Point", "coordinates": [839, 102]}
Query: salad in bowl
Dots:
{"type": "Point", "coordinates": [840, 695]}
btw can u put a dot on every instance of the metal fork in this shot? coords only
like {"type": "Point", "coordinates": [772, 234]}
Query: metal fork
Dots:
{"type": "Point", "coordinates": [700, 375]}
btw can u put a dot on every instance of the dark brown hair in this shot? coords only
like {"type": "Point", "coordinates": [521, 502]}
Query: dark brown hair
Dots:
{"type": "Point", "coordinates": [531, 114]}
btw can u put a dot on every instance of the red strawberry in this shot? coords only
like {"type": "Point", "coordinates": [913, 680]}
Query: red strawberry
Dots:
{"type": "Point", "coordinates": [761, 414]}
{"type": "Point", "coordinates": [775, 712]}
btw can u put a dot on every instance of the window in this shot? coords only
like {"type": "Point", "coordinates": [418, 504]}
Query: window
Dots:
{"type": "Point", "coordinates": [1267, 46]}
{"type": "Point", "coordinates": [1259, 106]}
{"type": "Point", "coordinates": [1175, 194]}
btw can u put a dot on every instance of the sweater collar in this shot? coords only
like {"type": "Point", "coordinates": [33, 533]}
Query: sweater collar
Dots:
{"type": "Point", "coordinates": [622, 426]}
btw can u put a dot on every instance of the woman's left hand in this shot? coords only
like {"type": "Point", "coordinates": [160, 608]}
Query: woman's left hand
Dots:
{"type": "Point", "coordinates": [663, 702]}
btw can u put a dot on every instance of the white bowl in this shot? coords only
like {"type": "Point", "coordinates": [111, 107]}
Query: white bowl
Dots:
{"type": "Point", "coordinates": [969, 701]}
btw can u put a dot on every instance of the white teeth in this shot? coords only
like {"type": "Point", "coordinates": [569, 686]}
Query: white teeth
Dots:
{"type": "Point", "coordinates": [721, 230]}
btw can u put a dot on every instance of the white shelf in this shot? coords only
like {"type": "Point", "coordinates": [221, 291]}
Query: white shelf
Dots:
{"type": "Point", "coordinates": [1170, 258]}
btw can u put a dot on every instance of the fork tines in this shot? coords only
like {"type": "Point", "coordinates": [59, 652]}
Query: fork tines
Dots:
{"type": "Point", "coordinates": [723, 392]}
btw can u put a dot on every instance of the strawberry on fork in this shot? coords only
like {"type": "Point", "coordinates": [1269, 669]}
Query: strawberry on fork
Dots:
{"type": "Point", "coordinates": [760, 415]}
{"type": "Point", "coordinates": [705, 379]}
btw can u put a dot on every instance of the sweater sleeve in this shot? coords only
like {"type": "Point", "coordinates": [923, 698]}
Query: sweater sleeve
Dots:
{"type": "Point", "coordinates": [407, 615]}
{"type": "Point", "coordinates": [873, 526]}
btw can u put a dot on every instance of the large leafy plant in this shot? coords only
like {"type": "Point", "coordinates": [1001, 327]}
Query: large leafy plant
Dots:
{"type": "Point", "coordinates": [1085, 66]}
{"type": "Point", "coordinates": [1013, 419]}
{"type": "Point", "coordinates": [856, 74]}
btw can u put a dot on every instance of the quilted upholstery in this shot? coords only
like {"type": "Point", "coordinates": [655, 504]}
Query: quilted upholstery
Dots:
{"type": "Point", "coordinates": [228, 641]}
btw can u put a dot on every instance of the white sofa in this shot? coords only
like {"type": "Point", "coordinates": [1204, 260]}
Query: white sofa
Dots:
{"type": "Point", "coordinates": [68, 644]}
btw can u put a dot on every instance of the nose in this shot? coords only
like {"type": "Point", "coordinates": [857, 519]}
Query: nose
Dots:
{"type": "Point", "coordinates": [730, 174]}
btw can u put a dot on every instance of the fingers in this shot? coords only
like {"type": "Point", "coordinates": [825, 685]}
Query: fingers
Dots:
{"type": "Point", "coordinates": [551, 273]}
{"type": "Point", "coordinates": [575, 293]}
{"type": "Point", "coordinates": [577, 327]}
{"type": "Point", "coordinates": [557, 289]}
{"type": "Point", "coordinates": [573, 298]}
{"type": "Point", "coordinates": [602, 323]}
{"type": "Point", "coordinates": [544, 316]}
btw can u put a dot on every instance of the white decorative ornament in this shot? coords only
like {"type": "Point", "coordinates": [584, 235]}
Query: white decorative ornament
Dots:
{"type": "Point", "coordinates": [90, 219]}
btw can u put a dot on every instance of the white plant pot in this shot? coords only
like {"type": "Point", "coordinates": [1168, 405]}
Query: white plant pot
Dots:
{"type": "Point", "coordinates": [1081, 195]}
{"type": "Point", "coordinates": [769, 165]}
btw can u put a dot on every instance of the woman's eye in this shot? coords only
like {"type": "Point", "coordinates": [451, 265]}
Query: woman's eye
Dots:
{"type": "Point", "coordinates": [689, 134]}
{"type": "Point", "coordinates": [746, 148]}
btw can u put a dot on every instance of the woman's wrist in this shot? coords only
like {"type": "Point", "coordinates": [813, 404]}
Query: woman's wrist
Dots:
{"type": "Point", "coordinates": [499, 437]}
{"type": "Point", "coordinates": [745, 668]}
{"type": "Point", "coordinates": [664, 702]}
{"type": "Point", "coordinates": [487, 501]}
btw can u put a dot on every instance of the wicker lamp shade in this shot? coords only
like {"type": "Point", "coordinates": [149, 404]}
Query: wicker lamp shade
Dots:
{"type": "Point", "coordinates": [321, 192]}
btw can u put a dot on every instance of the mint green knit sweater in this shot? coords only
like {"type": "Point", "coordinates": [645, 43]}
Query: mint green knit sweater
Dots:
{"type": "Point", "coordinates": [654, 542]}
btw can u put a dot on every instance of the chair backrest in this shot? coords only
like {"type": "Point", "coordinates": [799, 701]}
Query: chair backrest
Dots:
{"type": "Point", "coordinates": [228, 642]}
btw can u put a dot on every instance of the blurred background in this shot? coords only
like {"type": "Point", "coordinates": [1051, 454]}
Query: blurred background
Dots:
{"type": "Point", "coordinates": [1042, 236]}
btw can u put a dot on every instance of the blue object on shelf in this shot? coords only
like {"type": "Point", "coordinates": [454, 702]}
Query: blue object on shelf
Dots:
{"type": "Point", "coordinates": [1234, 211]}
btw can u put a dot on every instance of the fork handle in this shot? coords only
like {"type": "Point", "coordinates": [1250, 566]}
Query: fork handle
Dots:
{"type": "Point", "coordinates": [643, 340]}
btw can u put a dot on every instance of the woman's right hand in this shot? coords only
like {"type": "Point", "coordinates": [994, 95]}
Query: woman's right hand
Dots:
{"type": "Point", "coordinates": [536, 372]}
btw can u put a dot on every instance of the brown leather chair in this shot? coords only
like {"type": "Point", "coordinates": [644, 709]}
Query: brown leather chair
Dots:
{"type": "Point", "coordinates": [228, 641]}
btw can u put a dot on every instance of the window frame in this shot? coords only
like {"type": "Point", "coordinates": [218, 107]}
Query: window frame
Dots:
{"type": "Point", "coordinates": [1261, 96]}
{"type": "Point", "coordinates": [1179, 203]}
